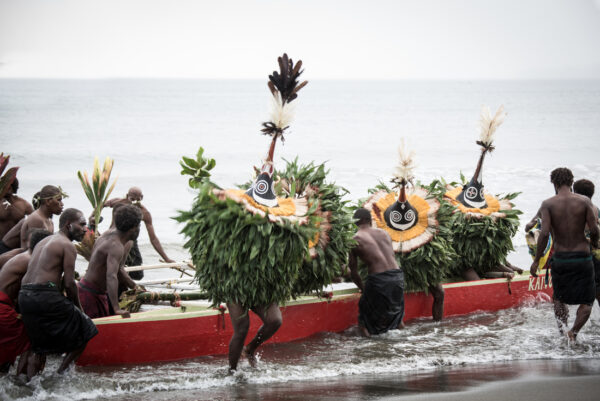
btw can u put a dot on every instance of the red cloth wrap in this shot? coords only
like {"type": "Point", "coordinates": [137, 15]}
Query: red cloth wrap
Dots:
{"type": "Point", "coordinates": [93, 301]}
{"type": "Point", "coordinates": [13, 338]}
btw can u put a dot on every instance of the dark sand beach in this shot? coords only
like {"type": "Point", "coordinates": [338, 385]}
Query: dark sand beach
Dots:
{"type": "Point", "coordinates": [543, 380]}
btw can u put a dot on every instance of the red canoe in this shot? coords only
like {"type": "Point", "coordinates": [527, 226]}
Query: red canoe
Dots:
{"type": "Point", "coordinates": [193, 330]}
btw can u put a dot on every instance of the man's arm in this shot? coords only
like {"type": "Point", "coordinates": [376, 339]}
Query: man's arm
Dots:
{"type": "Point", "coordinates": [113, 260]}
{"type": "Point", "coordinates": [532, 222]}
{"type": "Point", "coordinates": [112, 202]}
{"type": "Point", "coordinates": [592, 223]}
{"type": "Point", "coordinates": [70, 254]}
{"type": "Point", "coordinates": [543, 238]}
{"type": "Point", "coordinates": [123, 276]}
{"type": "Point", "coordinates": [153, 238]}
{"type": "Point", "coordinates": [353, 265]}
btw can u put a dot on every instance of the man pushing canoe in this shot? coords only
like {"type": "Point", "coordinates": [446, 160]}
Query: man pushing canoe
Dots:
{"type": "Point", "coordinates": [381, 306]}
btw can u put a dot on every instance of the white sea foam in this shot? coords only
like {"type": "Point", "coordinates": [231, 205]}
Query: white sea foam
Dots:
{"type": "Point", "coordinates": [517, 334]}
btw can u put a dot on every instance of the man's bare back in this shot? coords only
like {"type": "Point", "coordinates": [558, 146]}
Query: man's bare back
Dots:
{"type": "Point", "coordinates": [375, 249]}
{"type": "Point", "coordinates": [566, 215]}
{"type": "Point", "coordinates": [50, 259]}
{"type": "Point", "coordinates": [105, 268]}
{"type": "Point", "coordinates": [107, 249]}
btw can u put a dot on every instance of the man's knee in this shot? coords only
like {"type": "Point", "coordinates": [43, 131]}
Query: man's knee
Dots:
{"type": "Point", "coordinates": [586, 309]}
{"type": "Point", "coordinates": [241, 327]}
{"type": "Point", "coordinates": [274, 321]}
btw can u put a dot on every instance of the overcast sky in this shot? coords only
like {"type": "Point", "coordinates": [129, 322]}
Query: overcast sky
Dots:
{"type": "Point", "coordinates": [422, 39]}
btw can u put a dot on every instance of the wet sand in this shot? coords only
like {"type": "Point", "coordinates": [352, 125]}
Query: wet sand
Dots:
{"type": "Point", "coordinates": [583, 388]}
{"type": "Point", "coordinates": [543, 380]}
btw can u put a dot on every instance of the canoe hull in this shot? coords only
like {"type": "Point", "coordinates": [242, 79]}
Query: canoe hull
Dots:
{"type": "Point", "coordinates": [176, 334]}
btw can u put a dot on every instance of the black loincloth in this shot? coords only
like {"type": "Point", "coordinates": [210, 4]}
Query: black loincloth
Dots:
{"type": "Point", "coordinates": [381, 306]}
{"type": "Point", "coordinates": [4, 248]}
{"type": "Point", "coordinates": [597, 273]}
{"type": "Point", "coordinates": [53, 323]}
{"type": "Point", "coordinates": [573, 278]}
{"type": "Point", "coordinates": [134, 258]}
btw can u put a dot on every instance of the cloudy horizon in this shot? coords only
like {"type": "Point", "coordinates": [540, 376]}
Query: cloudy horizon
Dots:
{"type": "Point", "coordinates": [430, 39]}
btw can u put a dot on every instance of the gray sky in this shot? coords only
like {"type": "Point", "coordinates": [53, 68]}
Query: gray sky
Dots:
{"type": "Point", "coordinates": [425, 39]}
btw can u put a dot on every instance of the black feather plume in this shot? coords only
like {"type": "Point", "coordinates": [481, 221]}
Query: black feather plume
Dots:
{"type": "Point", "coordinates": [284, 86]}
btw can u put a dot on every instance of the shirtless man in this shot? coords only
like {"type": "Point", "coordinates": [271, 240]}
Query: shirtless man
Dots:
{"type": "Point", "coordinates": [586, 188]}
{"type": "Point", "coordinates": [566, 215]}
{"type": "Point", "coordinates": [381, 306]}
{"type": "Point", "coordinates": [50, 203]}
{"type": "Point", "coordinates": [55, 323]}
{"type": "Point", "coordinates": [13, 339]}
{"type": "Point", "coordinates": [12, 239]}
{"type": "Point", "coordinates": [98, 289]}
{"type": "Point", "coordinates": [12, 209]}
{"type": "Point", "coordinates": [134, 197]}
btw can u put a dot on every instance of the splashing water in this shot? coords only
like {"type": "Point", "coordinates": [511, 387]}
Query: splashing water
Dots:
{"type": "Point", "coordinates": [525, 333]}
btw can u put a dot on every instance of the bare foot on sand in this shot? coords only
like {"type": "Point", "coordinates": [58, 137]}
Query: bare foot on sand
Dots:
{"type": "Point", "coordinates": [250, 357]}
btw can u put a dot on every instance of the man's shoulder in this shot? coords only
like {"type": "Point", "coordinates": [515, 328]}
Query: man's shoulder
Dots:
{"type": "Point", "coordinates": [61, 241]}
{"type": "Point", "coordinates": [17, 200]}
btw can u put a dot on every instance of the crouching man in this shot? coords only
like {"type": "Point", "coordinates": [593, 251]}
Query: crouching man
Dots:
{"type": "Point", "coordinates": [54, 323]}
{"type": "Point", "coordinates": [99, 288]}
{"type": "Point", "coordinates": [381, 306]}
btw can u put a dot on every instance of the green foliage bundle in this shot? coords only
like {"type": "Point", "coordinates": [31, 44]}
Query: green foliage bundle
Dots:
{"type": "Point", "coordinates": [241, 257]}
{"type": "Point", "coordinates": [198, 168]}
{"type": "Point", "coordinates": [484, 243]}
{"type": "Point", "coordinates": [321, 270]}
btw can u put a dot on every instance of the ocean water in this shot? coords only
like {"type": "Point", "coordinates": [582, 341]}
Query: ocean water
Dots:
{"type": "Point", "coordinates": [53, 128]}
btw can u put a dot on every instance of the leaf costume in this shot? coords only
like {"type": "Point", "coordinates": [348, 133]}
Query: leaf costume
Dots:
{"type": "Point", "coordinates": [333, 240]}
{"type": "Point", "coordinates": [418, 224]}
{"type": "Point", "coordinates": [251, 246]}
{"type": "Point", "coordinates": [484, 224]}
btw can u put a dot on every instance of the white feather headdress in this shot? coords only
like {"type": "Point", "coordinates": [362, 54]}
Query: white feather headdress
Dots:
{"type": "Point", "coordinates": [488, 126]}
{"type": "Point", "coordinates": [404, 172]}
{"type": "Point", "coordinates": [282, 113]}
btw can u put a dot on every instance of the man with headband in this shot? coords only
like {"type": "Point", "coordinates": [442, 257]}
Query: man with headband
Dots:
{"type": "Point", "coordinates": [134, 197]}
{"type": "Point", "coordinates": [566, 216]}
{"type": "Point", "coordinates": [381, 306]}
{"type": "Point", "coordinates": [49, 203]}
